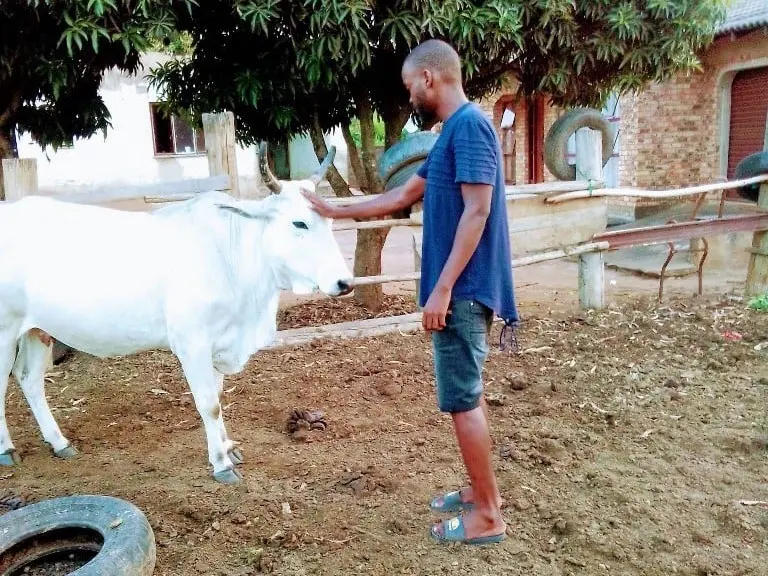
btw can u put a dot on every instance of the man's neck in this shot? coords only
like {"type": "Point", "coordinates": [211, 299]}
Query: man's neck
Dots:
{"type": "Point", "coordinates": [452, 100]}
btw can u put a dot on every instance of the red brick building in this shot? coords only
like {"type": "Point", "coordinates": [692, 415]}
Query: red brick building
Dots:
{"type": "Point", "coordinates": [692, 129]}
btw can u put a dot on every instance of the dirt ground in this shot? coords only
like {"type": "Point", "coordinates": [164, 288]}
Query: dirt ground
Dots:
{"type": "Point", "coordinates": [631, 441]}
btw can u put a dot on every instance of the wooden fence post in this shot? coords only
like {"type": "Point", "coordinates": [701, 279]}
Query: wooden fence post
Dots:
{"type": "Point", "coordinates": [589, 166]}
{"type": "Point", "coordinates": [219, 130]}
{"type": "Point", "coordinates": [19, 178]}
{"type": "Point", "coordinates": [757, 271]}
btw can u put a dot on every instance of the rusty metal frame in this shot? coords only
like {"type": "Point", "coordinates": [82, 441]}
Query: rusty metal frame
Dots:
{"type": "Point", "coordinates": [683, 230]}
{"type": "Point", "coordinates": [671, 254]}
{"type": "Point", "coordinates": [692, 229]}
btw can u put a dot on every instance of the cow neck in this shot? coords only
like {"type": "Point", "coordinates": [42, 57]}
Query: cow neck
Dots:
{"type": "Point", "coordinates": [251, 277]}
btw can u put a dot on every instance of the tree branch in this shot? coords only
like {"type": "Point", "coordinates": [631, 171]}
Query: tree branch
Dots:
{"type": "Point", "coordinates": [394, 124]}
{"type": "Point", "coordinates": [353, 157]}
{"type": "Point", "coordinates": [368, 140]}
{"type": "Point", "coordinates": [336, 180]}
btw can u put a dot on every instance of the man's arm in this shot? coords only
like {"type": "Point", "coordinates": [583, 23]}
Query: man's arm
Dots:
{"type": "Point", "coordinates": [477, 207]}
{"type": "Point", "coordinates": [392, 201]}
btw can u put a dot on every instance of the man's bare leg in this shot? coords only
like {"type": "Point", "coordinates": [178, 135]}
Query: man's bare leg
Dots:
{"type": "Point", "coordinates": [475, 444]}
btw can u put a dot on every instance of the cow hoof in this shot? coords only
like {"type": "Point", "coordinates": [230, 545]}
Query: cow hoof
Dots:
{"type": "Point", "coordinates": [67, 453]}
{"type": "Point", "coordinates": [10, 458]}
{"type": "Point", "coordinates": [228, 476]}
{"type": "Point", "coordinates": [236, 456]}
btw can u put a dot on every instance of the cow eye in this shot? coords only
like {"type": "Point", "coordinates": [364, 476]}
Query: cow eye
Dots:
{"type": "Point", "coordinates": [301, 225]}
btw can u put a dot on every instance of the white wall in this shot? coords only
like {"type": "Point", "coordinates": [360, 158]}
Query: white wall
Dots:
{"type": "Point", "coordinates": [127, 154]}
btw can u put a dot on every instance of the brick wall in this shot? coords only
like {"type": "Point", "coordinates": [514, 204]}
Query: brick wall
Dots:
{"type": "Point", "coordinates": [494, 106]}
{"type": "Point", "coordinates": [670, 132]}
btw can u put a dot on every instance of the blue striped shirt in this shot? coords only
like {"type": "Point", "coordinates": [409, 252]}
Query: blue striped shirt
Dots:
{"type": "Point", "coordinates": [467, 151]}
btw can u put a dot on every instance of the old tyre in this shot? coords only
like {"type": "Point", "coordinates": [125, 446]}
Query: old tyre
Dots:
{"type": "Point", "coordinates": [753, 165]}
{"type": "Point", "coordinates": [401, 161]}
{"type": "Point", "coordinates": [556, 142]}
{"type": "Point", "coordinates": [105, 535]}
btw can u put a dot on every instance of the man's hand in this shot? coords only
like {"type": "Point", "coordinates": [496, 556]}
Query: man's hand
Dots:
{"type": "Point", "coordinates": [436, 309]}
{"type": "Point", "coordinates": [320, 206]}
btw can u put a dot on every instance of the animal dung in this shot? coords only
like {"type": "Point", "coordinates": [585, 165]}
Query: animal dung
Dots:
{"type": "Point", "coordinates": [301, 422]}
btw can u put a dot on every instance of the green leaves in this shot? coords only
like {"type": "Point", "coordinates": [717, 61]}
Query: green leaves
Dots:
{"type": "Point", "coordinates": [276, 62]}
{"type": "Point", "coordinates": [53, 55]}
{"type": "Point", "coordinates": [258, 14]}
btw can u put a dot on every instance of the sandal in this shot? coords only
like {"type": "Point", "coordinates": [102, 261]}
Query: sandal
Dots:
{"type": "Point", "coordinates": [453, 531]}
{"type": "Point", "coordinates": [450, 502]}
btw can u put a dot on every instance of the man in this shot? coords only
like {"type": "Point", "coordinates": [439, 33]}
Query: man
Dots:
{"type": "Point", "coordinates": [466, 273]}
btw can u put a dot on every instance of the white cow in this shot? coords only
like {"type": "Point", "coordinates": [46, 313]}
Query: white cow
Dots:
{"type": "Point", "coordinates": [200, 278]}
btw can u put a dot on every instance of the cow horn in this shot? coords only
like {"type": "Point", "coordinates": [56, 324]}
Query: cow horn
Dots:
{"type": "Point", "coordinates": [269, 179]}
{"type": "Point", "coordinates": [324, 167]}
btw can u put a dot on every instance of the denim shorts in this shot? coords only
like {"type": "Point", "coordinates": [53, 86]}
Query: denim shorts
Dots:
{"type": "Point", "coordinates": [460, 350]}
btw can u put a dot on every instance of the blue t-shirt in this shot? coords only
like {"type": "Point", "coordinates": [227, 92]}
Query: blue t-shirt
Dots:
{"type": "Point", "coordinates": [467, 151]}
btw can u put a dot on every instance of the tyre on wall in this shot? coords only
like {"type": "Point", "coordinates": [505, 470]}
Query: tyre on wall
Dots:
{"type": "Point", "coordinates": [753, 165]}
{"type": "Point", "coordinates": [556, 141]}
{"type": "Point", "coordinates": [82, 535]}
{"type": "Point", "coordinates": [400, 161]}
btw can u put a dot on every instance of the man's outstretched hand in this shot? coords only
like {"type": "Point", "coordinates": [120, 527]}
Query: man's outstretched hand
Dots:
{"type": "Point", "coordinates": [320, 206]}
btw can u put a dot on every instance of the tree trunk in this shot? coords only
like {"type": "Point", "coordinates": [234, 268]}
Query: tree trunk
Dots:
{"type": "Point", "coordinates": [369, 242]}
{"type": "Point", "coordinates": [394, 124]}
{"type": "Point", "coordinates": [368, 145]}
{"type": "Point", "coordinates": [6, 151]}
{"type": "Point", "coordinates": [7, 126]}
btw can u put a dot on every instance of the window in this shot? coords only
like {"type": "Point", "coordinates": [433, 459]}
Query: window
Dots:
{"type": "Point", "coordinates": [173, 135]}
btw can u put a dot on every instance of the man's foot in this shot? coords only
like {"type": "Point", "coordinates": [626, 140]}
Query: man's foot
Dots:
{"type": "Point", "coordinates": [471, 528]}
{"type": "Point", "coordinates": [456, 501]}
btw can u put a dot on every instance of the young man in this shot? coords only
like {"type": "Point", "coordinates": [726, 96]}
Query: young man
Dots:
{"type": "Point", "coordinates": [466, 273]}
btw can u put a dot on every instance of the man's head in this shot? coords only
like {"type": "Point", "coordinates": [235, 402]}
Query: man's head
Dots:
{"type": "Point", "coordinates": [432, 68]}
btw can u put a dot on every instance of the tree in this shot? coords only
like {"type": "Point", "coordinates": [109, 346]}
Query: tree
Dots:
{"type": "Point", "coordinates": [306, 66]}
{"type": "Point", "coordinates": [53, 54]}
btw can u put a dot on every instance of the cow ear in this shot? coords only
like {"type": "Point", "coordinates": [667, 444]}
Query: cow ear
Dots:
{"type": "Point", "coordinates": [257, 212]}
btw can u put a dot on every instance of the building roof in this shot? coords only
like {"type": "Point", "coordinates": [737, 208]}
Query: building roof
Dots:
{"type": "Point", "coordinates": [745, 15]}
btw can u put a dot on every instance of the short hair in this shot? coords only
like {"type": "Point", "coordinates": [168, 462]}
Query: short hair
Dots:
{"type": "Point", "coordinates": [438, 56]}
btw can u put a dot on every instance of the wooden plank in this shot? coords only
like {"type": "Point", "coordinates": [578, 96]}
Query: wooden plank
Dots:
{"type": "Point", "coordinates": [564, 252]}
{"type": "Point", "coordinates": [19, 178]}
{"type": "Point", "coordinates": [172, 190]}
{"type": "Point", "coordinates": [369, 323]}
{"type": "Point", "coordinates": [559, 187]}
{"type": "Point", "coordinates": [169, 198]}
{"type": "Point", "coordinates": [757, 269]}
{"type": "Point", "coordinates": [659, 194]}
{"type": "Point", "coordinates": [363, 331]}
{"type": "Point", "coordinates": [369, 224]}
{"type": "Point", "coordinates": [219, 130]}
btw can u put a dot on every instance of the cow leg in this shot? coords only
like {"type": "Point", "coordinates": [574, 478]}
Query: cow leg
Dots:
{"type": "Point", "coordinates": [8, 454]}
{"type": "Point", "coordinates": [233, 452]}
{"type": "Point", "coordinates": [204, 384]}
{"type": "Point", "coordinates": [34, 354]}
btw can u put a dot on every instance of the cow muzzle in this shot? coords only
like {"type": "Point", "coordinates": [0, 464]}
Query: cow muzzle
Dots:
{"type": "Point", "coordinates": [344, 287]}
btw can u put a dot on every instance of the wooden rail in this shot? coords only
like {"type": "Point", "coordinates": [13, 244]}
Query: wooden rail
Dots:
{"type": "Point", "coordinates": [564, 252]}
{"type": "Point", "coordinates": [658, 194]}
